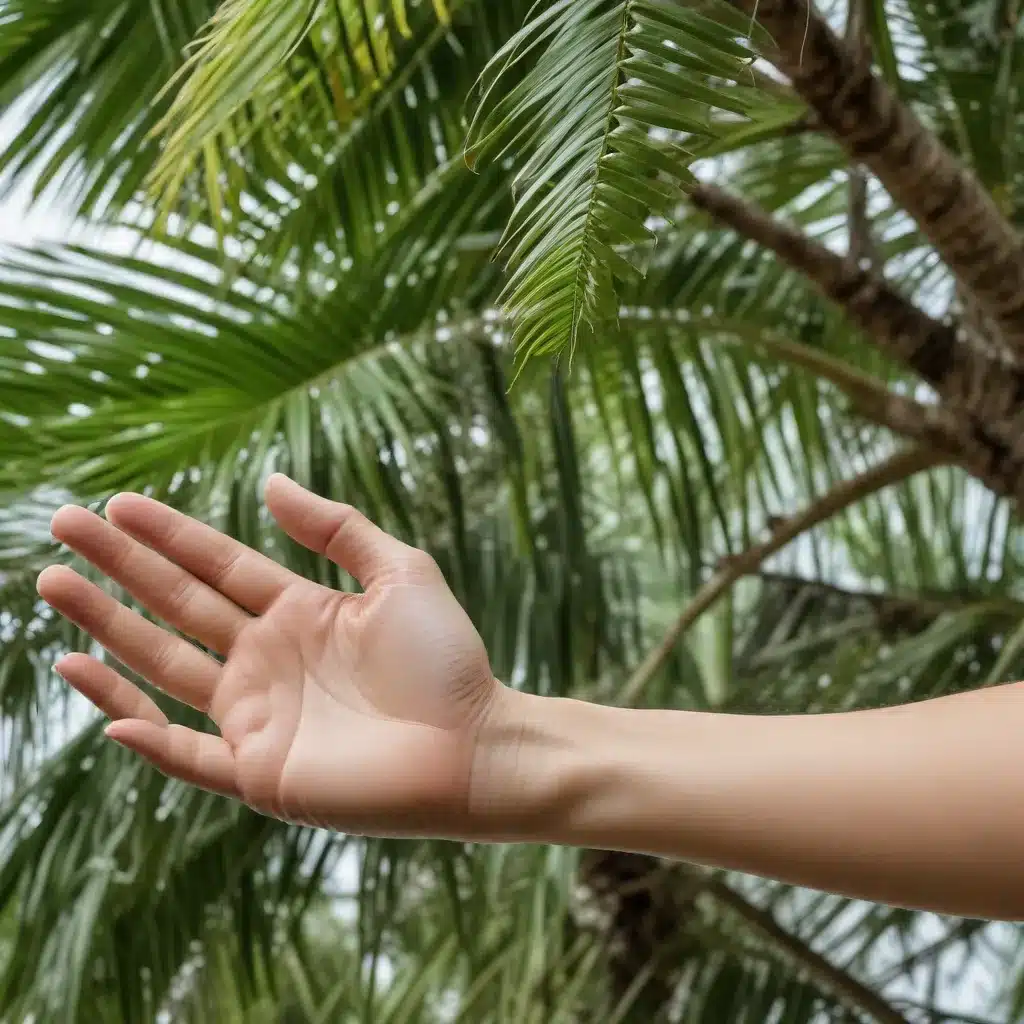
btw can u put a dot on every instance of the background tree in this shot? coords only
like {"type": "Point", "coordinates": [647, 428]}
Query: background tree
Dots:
{"type": "Point", "coordinates": [772, 466]}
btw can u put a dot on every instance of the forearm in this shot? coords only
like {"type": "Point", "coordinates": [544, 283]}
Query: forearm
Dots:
{"type": "Point", "coordinates": [919, 806]}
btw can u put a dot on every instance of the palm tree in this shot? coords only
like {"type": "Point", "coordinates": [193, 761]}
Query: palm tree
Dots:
{"type": "Point", "coordinates": [731, 422]}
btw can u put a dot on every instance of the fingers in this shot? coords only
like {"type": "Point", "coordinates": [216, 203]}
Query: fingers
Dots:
{"type": "Point", "coordinates": [196, 757]}
{"type": "Point", "coordinates": [108, 690]}
{"type": "Point", "coordinates": [340, 532]}
{"type": "Point", "coordinates": [169, 662]}
{"type": "Point", "coordinates": [246, 577]}
{"type": "Point", "coordinates": [165, 588]}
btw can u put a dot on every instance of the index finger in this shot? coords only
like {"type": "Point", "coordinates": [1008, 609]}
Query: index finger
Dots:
{"type": "Point", "coordinates": [248, 578]}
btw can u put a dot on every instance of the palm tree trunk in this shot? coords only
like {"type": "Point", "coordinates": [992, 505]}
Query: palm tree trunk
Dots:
{"type": "Point", "coordinates": [877, 129]}
{"type": "Point", "coordinates": [972, 381]}
{"type": "Point", "coordinates": [861, 248]}
{"type": "Point", "coordinates": [932, 349]}
{"type": "Point", "coordinates": [644, 905]}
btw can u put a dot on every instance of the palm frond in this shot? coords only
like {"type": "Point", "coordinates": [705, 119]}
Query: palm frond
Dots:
{"type": "Point", "coordinates": [583, 127]}
{"type": "Point", "coordinates": [78, 85]}
{"type": "Point", "coordinates": [260, 67]}
{"type": "Point", "coordinates": [346, 186]}
{"type": "Point", "coordinates": [183, 406]}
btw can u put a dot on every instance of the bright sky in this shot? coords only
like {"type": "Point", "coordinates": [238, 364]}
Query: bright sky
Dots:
{"type": "Point", "coordinates": [20, 226]}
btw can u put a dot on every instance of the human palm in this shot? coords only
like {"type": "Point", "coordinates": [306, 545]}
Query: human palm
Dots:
{"type": "Point", "coordinates": [355, 711]}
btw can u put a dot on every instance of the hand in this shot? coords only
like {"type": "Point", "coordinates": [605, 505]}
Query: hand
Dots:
{"type": "Point", "coordinates": [360, 712]}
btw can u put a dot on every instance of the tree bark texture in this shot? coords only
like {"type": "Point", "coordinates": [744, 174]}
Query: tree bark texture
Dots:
{"type": "Point", "coordinates": [877, 129]}
{"type": "Point", "coordinates": [977, 384]}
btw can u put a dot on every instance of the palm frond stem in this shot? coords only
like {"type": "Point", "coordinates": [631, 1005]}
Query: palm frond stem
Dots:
{"type": "Point", "coordinates": [903, 464]}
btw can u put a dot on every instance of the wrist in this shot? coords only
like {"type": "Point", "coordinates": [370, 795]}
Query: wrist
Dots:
{"type": "Point", "coordinates": [520, 768]}
{"type": "Point", "coordinates": [548, 769]}
{"type": "Point", "coordinates": [572, 773]}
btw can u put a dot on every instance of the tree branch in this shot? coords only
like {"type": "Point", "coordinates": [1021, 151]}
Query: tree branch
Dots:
{"type": "Point", "coordinates": [932, 349]}
{"type": "Point", "coordinates": [977, 383]}
{"type": "Point", "coordinates": [905, 463]}
{"type": "Point", "coordinates": [861, 249]}
{"type": "Point", "coordinates": [877, 129]}
{"type": "Point", "coordinates": [854, 993]}
{"type": "Point", "coordinates": [922, 605]}
{"type": "Point", "coordinates": [930, 425]}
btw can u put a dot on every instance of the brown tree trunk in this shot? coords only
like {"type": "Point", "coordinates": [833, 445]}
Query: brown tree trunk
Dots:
{"type": "Point", "coordinates": [929, 347]}
{"type": "Point", "coordinates": [877, 129]}
{"type": "Point", "coordinates": [644, 905]}
{"type": "Point", "coordinates": [861, 248]}
{"type": "Point", "coordinates": [970, 380]}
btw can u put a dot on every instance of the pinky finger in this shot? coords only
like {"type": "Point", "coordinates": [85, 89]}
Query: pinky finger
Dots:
{"type": "Point", "coordinates": [108, 689]}
{"type": "Point", "coordinates": [200, 758]}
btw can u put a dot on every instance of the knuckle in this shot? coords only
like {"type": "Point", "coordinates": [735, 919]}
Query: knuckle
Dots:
{"type": "Point", "coordinates": [422, 564]}
{"type": "Point", "coordinates": [223, 569]}
{"type": "Point", "coordinates": [162, 659]}
{"type": "Point", "coordinates": [182, 592]}
{"type": "Point", "coordinates": [346, 520]}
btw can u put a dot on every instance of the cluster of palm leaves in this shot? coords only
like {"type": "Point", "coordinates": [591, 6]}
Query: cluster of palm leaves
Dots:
{"type": "Point", "coordinates": [699, 402]}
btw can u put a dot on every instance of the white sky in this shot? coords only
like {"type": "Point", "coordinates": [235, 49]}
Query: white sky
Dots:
{"type": "Point", "coordinates": [22, 227]}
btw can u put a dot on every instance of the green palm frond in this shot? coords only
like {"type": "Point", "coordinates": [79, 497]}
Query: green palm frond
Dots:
{"type": "Point", "coordinates": [78, 85]}
{"type": "Point", "coordinates": [180, 374]}
{"type": "Point", "coordinates": [355, 179]}
{"type": "Point", "coordinates": [262, 73]}
{"type": "Point", "coordinates": [117, 927]}
{"type": "Point", "coordinates": [307, 171]}
{"type": "Point", "coordinates": [147, 365]}
{"type": "Point", "coordinates": [582, 126]}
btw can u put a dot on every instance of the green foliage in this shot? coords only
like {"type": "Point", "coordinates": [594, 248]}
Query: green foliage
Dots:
{"type": "Point", "coordinates": [307, 61]}
{"type": "Point", "coordinates": [320, 297]}
{"type": "Point", "coordinates": [581, 126]}
{"type": "Point", "coordinates": [85, 77]}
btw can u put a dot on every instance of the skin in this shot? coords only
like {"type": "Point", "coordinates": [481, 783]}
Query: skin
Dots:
{"type": "Point", "coordinates": [378, 714]}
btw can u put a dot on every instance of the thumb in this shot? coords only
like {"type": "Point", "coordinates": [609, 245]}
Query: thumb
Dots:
{"type": "Point", "coordinates": [338, 531]}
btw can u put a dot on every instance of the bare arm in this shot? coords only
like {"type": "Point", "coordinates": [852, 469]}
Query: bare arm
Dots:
{"type": "Point", "coordinates": [920, 806]}
{"type": "Point", "coordinates": [378, 713]}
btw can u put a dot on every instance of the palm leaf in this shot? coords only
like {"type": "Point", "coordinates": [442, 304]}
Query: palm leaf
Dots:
{"type": "Point", "coordinates": [581, 126]}
{"type": "Point", "coordinates": [79, 82]}
{"type": "Point", "coordinates": [257, 66]}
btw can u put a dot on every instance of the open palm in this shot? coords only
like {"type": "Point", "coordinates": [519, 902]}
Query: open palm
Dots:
{"type": "Point", "coordinates": [356, 711]}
